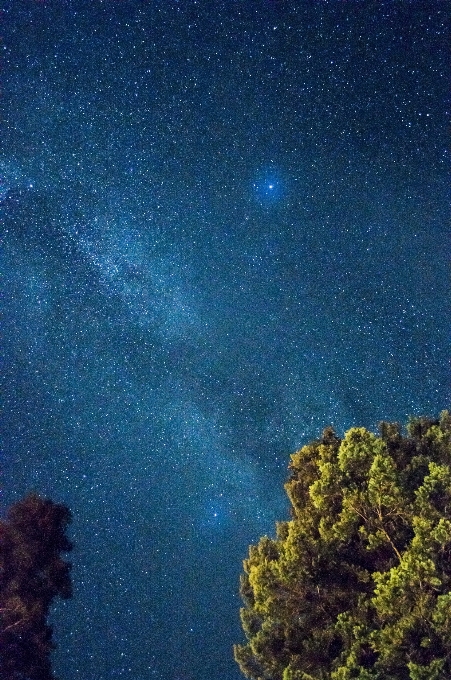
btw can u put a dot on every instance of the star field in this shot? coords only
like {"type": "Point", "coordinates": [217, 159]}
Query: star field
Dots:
{"type": "Point", "coordinates": [224, 230]}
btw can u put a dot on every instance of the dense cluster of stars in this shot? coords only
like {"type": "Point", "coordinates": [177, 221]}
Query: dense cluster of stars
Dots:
{"type": "Point", "coordinates": [224, 231]}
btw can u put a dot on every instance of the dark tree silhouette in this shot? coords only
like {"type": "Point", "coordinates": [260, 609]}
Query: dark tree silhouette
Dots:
{"type": "Point", "coordinates": [32, 574]}
{"type": "Point", "coordinates": [357, 585]}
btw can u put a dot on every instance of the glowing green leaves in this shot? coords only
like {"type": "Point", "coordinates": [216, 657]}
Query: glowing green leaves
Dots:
{"type": "Point", "coordinates": [357, 585]}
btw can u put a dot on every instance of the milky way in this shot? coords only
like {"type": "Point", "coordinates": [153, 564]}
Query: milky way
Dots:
{"type": "Point", "coordinates": [224, 231]}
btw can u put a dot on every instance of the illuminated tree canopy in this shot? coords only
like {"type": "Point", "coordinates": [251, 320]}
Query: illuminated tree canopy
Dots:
{"type": "Point", "coordinates": [357, 584]}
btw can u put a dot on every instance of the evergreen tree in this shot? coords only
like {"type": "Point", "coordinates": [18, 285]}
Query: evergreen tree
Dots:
{"type": "Point", "coordinates": [357, 584]}
{"type": "Point", "coordinates": [32, 574]}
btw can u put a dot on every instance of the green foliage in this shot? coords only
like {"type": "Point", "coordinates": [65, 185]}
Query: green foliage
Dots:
{"type": "Point", "coordinates": [356, 586]}
{"type": "Point", "coordinates": [32, 574]}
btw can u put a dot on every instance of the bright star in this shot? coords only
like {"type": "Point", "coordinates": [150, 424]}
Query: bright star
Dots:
{"type": "Point", "coordinates": [269, 186]}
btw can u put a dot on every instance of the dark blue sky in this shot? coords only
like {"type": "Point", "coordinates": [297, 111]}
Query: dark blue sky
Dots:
{"type": "Point", "coordinates": [225, 230]}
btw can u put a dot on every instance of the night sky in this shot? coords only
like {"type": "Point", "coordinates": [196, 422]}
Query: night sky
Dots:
{"type": "Point", "coordinates": [226, 228]}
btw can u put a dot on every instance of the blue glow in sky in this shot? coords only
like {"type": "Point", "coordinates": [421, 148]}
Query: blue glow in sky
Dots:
{"type": "Point", "coordinates": [269, 188]}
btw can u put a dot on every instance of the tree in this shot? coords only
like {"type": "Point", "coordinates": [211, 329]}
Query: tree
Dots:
{"type": "Point", "coordinates": [357, 584]}
{"type": "Point", "coordinates": [32, 574]}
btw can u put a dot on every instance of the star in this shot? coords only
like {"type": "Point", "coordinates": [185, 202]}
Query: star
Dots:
{"type": "Point", "coordinates": [269, 187]}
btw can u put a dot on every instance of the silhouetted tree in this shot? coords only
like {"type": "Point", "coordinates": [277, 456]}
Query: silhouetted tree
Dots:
{"type": "Point", "coordinates": [357, 584]}
{"type": "Point", "coordinates": [32, 574]}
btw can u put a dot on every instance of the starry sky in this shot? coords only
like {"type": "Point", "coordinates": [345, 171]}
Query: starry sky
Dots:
{"type": "Point", "coordinates": [225, 228]}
